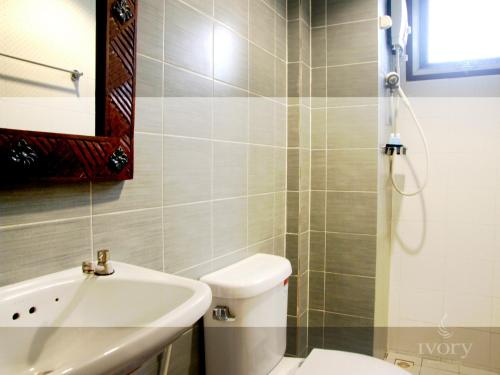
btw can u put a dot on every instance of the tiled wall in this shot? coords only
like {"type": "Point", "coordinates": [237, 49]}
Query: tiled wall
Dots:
{"type": "Point", "coordinates": [446, 258]}
{"type": "Point", "coordinates": [298, 168]}
{"type": "Point", "coordinates": [344, 174]}
{"type": "Point", "coordinates": [210, 177]}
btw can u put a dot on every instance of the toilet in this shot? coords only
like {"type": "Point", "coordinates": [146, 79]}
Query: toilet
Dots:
{"type": "Point", "coordinates": [245, 326]}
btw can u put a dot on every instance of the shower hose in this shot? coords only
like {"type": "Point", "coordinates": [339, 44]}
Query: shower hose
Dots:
{"type": "Point", "coordinates": [399, 92]}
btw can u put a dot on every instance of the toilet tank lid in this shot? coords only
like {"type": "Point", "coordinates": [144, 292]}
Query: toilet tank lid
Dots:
{"type": "Point", "coordinates": [249, 277]}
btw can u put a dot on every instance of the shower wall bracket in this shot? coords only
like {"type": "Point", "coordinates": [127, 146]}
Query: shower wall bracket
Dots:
{"type": "Point", "coordinates": [391, 149]}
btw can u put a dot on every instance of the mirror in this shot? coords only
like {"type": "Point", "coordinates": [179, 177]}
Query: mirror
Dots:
{"type": "Point", "coordinates": [47, 65]}
{"type": "Point", "coordinates": [67, 90]}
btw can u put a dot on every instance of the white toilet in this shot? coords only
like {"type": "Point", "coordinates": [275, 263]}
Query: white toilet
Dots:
{"type": "Point", "coordinates": [245, 327]}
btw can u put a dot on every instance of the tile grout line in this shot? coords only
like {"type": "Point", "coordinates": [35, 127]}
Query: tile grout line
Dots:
{"type": "Point", "coordinates": [209, 140]}
{"type": "Point", "coordinates": [326, 177]}
{"type": "Point", "coordinates": [163, 241]}
{"type": "Point", "coordinates": [248, 136]}
{"type": "Point", "coordinates": [91, 223]}
{"type": "Point", "coordinates": [212, 147]}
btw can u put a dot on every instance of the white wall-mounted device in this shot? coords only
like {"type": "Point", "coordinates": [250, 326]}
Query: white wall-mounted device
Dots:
{"type": "Point", "coordinates": [400, 24]}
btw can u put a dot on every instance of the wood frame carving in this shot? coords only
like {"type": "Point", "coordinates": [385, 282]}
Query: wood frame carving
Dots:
{"type": "Point", "coordinates": [109, 156]}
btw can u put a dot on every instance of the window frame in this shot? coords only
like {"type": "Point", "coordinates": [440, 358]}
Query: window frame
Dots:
{"type": "Point", "coordinates": [418, 67]}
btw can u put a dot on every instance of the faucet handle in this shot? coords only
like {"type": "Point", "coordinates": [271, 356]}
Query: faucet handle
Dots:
{"type": "Point", "coordinates": [102, 256]}
{"type": "Point", "coordinates": [88, 268]}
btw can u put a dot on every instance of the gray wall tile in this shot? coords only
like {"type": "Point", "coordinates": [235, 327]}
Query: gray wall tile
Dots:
{"type": "Point", "coordinates": [230, 170]}
{"type": "Point", "coordinates": [187, 104]}
{"type": "Point", "coordinates": [318, 13]}
{"type": "Point", "coordinates": [346, 124]}
{"type": "Point", "coordinates": [28, 204]}
{"type": "Point", "coordinates": [281, 81]}
{"type": "Point", "coordinates": [319, 48]}
{"type": "Point", "coordinates": [352, 170]}
{"type": "Point", "coordinates": [294, 83]}
{"type": "Point", "coordinates": [350, 295]}
{"type": "Point", "coordinates": [293, 126]}
{"type": "Point", "coordinates": [260, 218]}
{"type": "Point", "coordinates": [292, 212]}
{"type": "Point", "coordinates": [318, 210]}
{"type": "Point", "coordinates": [233, 13]}
{"type": "Point", "coordinates": [346, 333]}
{"type": "Point", "coordinates": [35, 250]}
{"type": "Point", "coordinates": [318, 170]}
{"type": "Point", "coordinates": [294, 41]}
{"type": "Point", "coordinates": [261, 121]}
{"type": "Point", "coordinates": [318, 129]}
{"type": "Point", "coordinates": [293, 9]}
{"type": "Point", "coordinates": [351, 213]}
{"type": "Point", "coordinates": [303, 252]}
{"type": "Point", "coordinates": [315, 329]}
{"type": "Point", "coordinates": [230, 113]}
{"type": "Point", "coordinates": [280, 169]}
{"type": "Point", "coordinates": [261, 72]}
{"type": "Point", "coordinates": [357, 41]}
{"type": "Point", "coordinates": [187, 354]}
{"type": "Point", "coordinates": [292, 296]}
{"type": "Point", "coordinates": [280, 37]}
{"type": "Point", "coordinates": [317, 251]}
{"type": "Point", "coordinates": [292, 252]}
{"type": "Point", "coordinates": [187, 236]}
{"type": "Point", "coordinates": [304, 211]}
{"type": "Point", "coordinates": [262, 25]}
{"type": "Point", "coordinates": [279, 214]}
{"type": "Point", "coordinates": [150, 29]}
{"type": "Point", "coordinates": [351, 254]}
{"type": "Point", "coordinates": [187, 166]}
{"type": "Point", "coordinates": [230, 225]}
{"type": "Point", "coordinates": [281, 7]}
{"type": "Point", "coordinates": [317, 290]}
{"type": "Point", "coordinates": [293, 175]}
{"type": "Point", "coordinates": [132, 237]}
{"type": "Point", "coordinates": [353, 81]}
{"type": "Point", "coordinates": [205, 6]}
{"type": "Point", "coordinates": [350, 10]}
{"type": "Point", "coordinates": [188, 38]}
{"type": "Point", "coordinates": [260, 169]}
{"type": "Point", "coordinates": [149, 96]}
{"type": "Point", "coordinates": [230, 57]}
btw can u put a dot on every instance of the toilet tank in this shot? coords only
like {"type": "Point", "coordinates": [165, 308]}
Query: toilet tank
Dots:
{"type": "Point", "coordinates": [245, 327]}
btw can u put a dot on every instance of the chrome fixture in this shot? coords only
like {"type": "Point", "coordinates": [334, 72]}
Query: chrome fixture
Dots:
{"type": "Point", "coordinates": [75, 74]}
{"type": "Point", "coordinates": [103, 266]}
{"type": "Point", "coordinates": [392, 80]}
{"type": "Point", "coordinates": [222, 314]}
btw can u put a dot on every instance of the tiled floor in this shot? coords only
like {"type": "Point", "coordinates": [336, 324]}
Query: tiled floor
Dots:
{"type": "Point", "coordinates": [419, 366]}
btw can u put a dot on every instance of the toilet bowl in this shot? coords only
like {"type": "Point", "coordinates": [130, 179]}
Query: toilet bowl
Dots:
{"type": "Point", "coordinates": [334, 362]}
{"type": "Point", "coordinates": [245, 327]}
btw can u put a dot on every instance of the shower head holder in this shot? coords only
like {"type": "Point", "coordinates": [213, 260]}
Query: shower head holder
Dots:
{"type": "Point", "coordinates": [392, 80]}
{"type": "Point", "coordinates": [398, 149]}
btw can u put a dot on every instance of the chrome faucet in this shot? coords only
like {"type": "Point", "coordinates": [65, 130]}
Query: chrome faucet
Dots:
{"type": "Point", "coordinates": [103, 266]}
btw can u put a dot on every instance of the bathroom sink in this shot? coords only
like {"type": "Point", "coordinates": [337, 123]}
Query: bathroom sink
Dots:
{"type": "Point", "coordinates": [72, 323]}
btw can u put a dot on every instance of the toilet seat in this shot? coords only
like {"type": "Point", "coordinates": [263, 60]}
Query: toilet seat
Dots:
{"type": "Point", "coordinates": [325, 362]}
{"type": "Point", "coordinates": [342, 363]}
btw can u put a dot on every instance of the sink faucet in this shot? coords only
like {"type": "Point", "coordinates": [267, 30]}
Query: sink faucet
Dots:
{"type": "Point", "coordinates": [103, 266]}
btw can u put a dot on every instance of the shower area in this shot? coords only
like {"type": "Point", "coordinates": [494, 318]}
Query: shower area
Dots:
{"type": "Point", "coordinates": [411, 276]}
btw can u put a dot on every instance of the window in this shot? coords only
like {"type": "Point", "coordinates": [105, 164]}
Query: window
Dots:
{"type": "Point", "coordinates": [453, 38]}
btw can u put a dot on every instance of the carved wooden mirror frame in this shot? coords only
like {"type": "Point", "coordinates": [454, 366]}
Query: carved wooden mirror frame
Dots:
{"type": "Point", "coordinates": [109, 156]}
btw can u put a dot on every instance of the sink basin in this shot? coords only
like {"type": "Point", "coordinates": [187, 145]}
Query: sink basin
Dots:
{"type": "Point", "coordinates": [71, 323]}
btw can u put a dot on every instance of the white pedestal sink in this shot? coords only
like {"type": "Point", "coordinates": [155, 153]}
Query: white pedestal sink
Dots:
{"type": "Point", "coordinates": [72, 323]}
